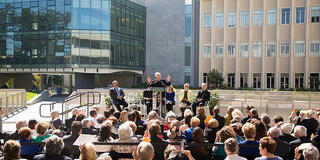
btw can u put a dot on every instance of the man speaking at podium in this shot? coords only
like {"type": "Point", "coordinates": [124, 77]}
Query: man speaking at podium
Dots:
{"type": "Point", "coordinates": [159, 82]}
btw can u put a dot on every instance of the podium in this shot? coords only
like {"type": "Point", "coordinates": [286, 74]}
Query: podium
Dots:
{"type": "Point", "coordinates": [157, 94]}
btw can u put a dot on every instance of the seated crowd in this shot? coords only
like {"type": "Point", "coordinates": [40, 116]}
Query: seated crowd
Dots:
{"type": "Point", "coordinates": [234, 136]}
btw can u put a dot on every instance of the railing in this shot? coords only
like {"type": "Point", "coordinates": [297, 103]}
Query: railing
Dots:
{"type": "Point", "coordinates": [86, 99]}
{"type": "Point", "coordinates": [12, 101]}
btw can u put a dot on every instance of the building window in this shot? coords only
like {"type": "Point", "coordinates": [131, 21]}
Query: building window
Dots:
{"type": "Point", "coordinates": [219, 20]}
{"type": "Point", "coordinates": [232, 19]}
{"type": "Point", "coordinates": [315, 48]}
{"type": "Point", "coordinates": [300, 15]}
{"type": "Point", "coordinates": [284, 49]}
{"type": "Point", "coordinates": [257, 49]}
{"type": "Point", "coordinates": [257, 18]}
{"type": "Point", "coordinates": [299, 49]}
{"type": "Point", "coordinates": [314, 81]}
{"type": "Point", "coordinates": [243, 80]}
{"type": "Point", "coordinates": [232, 50]}
{"type": "Point", "coordinates": [205, 78]}
{"type": "Point", "coordinates": [272, 17]}
{"type": "Point", "coordinates": [244, 50]}
{"type": "Point", "coordinates": [207, 51]}
{"type": "Point", "coordinates": [285, 16]}
{"type": "Point", "coordinates": [256, 80]}
{"type": "Point", "coordinates": [270, 80]}
{"type": "Point", "coordinates": [315, 14]}
{"type": "Point", "coordinates": [244, 18]}
{"type": "Point", "coordinates": [299, 78]}
{"type": "Point", "coordinates": [231, 80]}
{"type": "Point", "coordinates": [284, 80]}
{"type": "Point", "coordinates": [207, 20]}
{"type": "Point", "coordinates": [219, 50]}
{"type": "Point", "coordinates": [271, 49]}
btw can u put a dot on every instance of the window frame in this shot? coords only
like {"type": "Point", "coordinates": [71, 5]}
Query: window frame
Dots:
{"type": "Point", "coordinates": [257, 14]}
{"type": "Point", "coordinates": [244, 44]}
{"type": "Point", "coordinates": [219, 16]}
{"type": "Point", "coordinates": [275, 50]}
{"type": "Point", "coordinates": [232, 21]}
{"type": "Point", "coordinates": [244, 15]}
{"type": "Point", "coordinates": [261, 49]}
{"type": "Point", "coordinates": [295, 49]}
{"type": "Point", "coordinates": [315, 54]}
{"type": "Point", "coordinates": [285, 15]}
{"type": "Point", "coordinates": [317, 8]}
{"type": "Point", "coordinates": [270, 16]}
{"type": "Point", "coordinates": [207, 55]}
{"type": "Point", "coordinates": [205, 25]}
{"type": "Point", "coordinates": [281, 44]}
{"type": "Point", "coordinates": [304, 15]}
{"type": "Point", "coordinates": [233, 55]}
{"type": "Point", "coordinates": [216, 48]}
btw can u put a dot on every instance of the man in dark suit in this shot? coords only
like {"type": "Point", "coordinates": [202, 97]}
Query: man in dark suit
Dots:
{"type": "Point", "coordinates": [117, 96]}
{"type": "Point", "coordinates": [202, 98]}
{"type": "Point", "coordinates": [147, 96]}
{"type": "Point", "coordinates": [245, 119]}
{"type": "Point", "coordinates": [300, 132]}
{"type": "Point", "coordinates": [310, 122]}
{"type": "Point", "coordinates": [282, 149]}
{"type": "Point", "coordinates": [69, 121]}
{"type": "Point", "coordinates": [69, 149]}
{"type": "Point", "coordinates": [216, 111]}
{"type": "Point", "coordinates": [159, 82]}
{"type": "Point", "coordinates": [87, 127]}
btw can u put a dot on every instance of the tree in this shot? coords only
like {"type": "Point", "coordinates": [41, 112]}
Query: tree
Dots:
{"type": "Point", "coordinates": [215, 79]}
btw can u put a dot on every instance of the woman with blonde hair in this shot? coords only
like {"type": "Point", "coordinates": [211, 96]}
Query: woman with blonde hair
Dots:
{"type": "Point", "coordinates": [228, 116]}
{"type": "Point", "coordinates": [123, 116]}
{"type": "Point", "coordinates": [88, 152]}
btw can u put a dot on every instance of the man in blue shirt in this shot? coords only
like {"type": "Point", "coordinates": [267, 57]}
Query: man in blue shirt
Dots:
{"type": "Point", "coordinates": [25, 137]}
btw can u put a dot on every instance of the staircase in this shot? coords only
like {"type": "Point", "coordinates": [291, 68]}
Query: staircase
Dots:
{"type": "Point", "coordinates": [83, 100]}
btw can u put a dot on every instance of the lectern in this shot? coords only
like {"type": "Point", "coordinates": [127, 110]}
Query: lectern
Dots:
{"type": "Point", "coordinates": [157, 95]}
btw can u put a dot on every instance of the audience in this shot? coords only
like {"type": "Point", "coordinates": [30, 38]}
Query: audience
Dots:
{"type": "Point", "coordinates": [248, 108]}
{"type": "Point", "coordinates": [282, 149]}
{"type": "Point", "coordinates": [87, 127]}
{"type": "Point", "coordinates": [41, 128]}
{"type": "Point", "coordinates": [267, 147]}
{"type": "Point", "coordinates": [69, 149]}
{"type": "Point", "coordinates": [249, 131]}
{"type": "Point", "coordinates": [231, 148]}
{"type": "Point", "coordinates": [232, 138]}
{"type": "Point", "coordinates": [25, 137]}
{"type": "Point", "coordinates": [216, 111]}
{"type": "Point", "coordinates": [211, 130]}
{"type": "Point", "coordinates": [52, 150]}
{"type": "Point", "coordinates": [286, 136]}
{"type": "Point", "coordinates": [88, 152]}
{"type": "Point", "coordinates": [11, 150]}
{"type": "Point", "coordinates": [228, 116]}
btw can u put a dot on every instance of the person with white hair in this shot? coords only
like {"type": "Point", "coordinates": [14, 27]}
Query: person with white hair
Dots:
{"type": "Point", "coordinates": [187, 112]}
{"type": "Point", "coordinates": [14, 135]}
{"type": "Point", "coordinates": [55, 121]}
{"type": "Point", "coordinates": [144, 151]}
{"type": "Point", "coordinates": [158, 82]}
{"type": "Point", "coordinates": [68, 122]}
{"type": "Point", "coordinates": [282, 148]}
{"type": "Point", "coordinates": [306, 151]}
{"type": "Point", "coordinates": [310, 122]}
{"type": "Point", "coordinates": [117, 96]}
{"type": "Point", "coordinates": [53, 149]}
{"type": "Point", "coordinates": [300, 132]}
{"type": "Point", "coordinates": [87, 127]}
{"type": "Point", "coordinates": [202, 98]}
{"type": "Point", "coordinates": [286, 136]}
{"type": "Point", "coordinates": [125, 136]}
{"type": "Point", "coordinates": [186, 95]}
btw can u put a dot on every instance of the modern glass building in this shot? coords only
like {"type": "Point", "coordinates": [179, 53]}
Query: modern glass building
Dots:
{"type": "Point", "coordinates": [72, 34]}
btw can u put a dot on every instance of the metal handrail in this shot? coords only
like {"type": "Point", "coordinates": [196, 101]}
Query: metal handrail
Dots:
{"type": "Point", "coordinates": [72, 97]}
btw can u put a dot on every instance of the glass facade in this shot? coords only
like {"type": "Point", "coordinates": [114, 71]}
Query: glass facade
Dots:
{"type": "Point", "coordinates": [72, 33]}
{"type": "Point", "coordinates": [188, 40]}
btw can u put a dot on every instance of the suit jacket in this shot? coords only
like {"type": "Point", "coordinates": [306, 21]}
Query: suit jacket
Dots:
{"type": "Point", "coordinates": [282, 149]}
{"type": "Point", "coordinates": [311, 125]}
{"type": "Point", "coordinates": [91, 131]}
{"type": "Point", "coordinates": [287, 138]}
{"type": "Point", "coordinates": [161, 83]}
{"type": "Point", "coordinates": [69, 121]}
{"type": "Point", "coordinates": [296, 143]}
{"type": "Point", "coordinates": [158, 149]}
{"type": "Point", "coordinates": [220, 120]}
{"type": "Point", "coordinates": [69, 149]}
{"type": "Point", "coordinates": [204, 95]}
{"type": "Point", "coordinates": [113, 93]}
{"type": "Point", "coordinates": [51, 157]}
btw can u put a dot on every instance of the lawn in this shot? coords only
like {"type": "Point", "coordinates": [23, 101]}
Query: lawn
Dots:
{"type": "Point", "coordinates": [30, 95]}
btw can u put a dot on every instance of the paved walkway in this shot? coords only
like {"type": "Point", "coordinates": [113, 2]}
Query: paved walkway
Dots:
{"type": "Point", "coordinates": [32, 112]}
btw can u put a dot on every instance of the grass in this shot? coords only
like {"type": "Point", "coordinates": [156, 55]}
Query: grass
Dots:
{"type": "Point", "coordinates": [30, 95]}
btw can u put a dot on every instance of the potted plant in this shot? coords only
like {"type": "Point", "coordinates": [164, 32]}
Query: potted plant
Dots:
{"type": "Point", "coordinates": [214, 101]}
{"type": "Point", "coordinates": [108, 101]}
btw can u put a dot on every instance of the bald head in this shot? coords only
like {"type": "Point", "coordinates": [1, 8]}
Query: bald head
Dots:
{"type": "Point", "coordinates": [274, 132]}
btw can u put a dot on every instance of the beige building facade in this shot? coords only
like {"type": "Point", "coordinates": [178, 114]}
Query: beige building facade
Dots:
{"type": "Point", "coordinates": [261, 44]}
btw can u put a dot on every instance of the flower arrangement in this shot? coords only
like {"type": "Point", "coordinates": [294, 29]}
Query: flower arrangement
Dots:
{"type": "Point", "coordinates": [215, 99]}
{"type": "Point", "coordinates": [108, 100]}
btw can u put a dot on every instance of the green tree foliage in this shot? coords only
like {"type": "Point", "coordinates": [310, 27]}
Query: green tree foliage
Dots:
{"type": "Point", "coordinates": [215, 79]}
